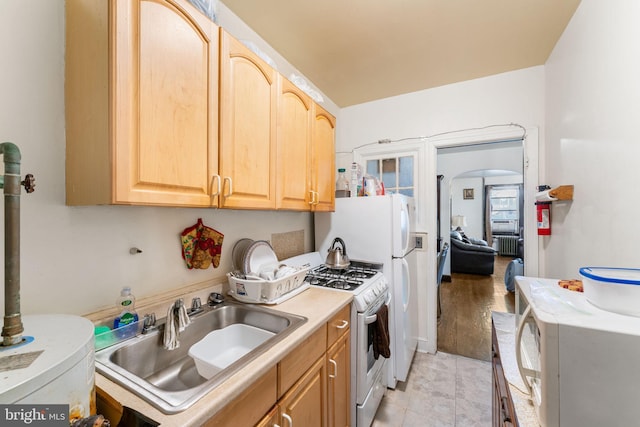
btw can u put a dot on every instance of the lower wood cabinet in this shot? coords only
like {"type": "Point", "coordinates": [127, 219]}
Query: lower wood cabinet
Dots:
{"type": "Point", "coordinates": [250, 406]}
{"type": "Point", "coordinates": [271, 419]}
{"type": "Point", "coordinates": [339, 368]}
{"type": "Point", "coordinates": [305, 404]}
{"type": "Point", "coordinates": [338, 383]}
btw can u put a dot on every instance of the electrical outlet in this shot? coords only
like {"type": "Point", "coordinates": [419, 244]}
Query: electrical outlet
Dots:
{"type": "Point", "coordinates": [418, 242]}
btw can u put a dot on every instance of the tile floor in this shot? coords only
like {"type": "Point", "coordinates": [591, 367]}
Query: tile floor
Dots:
{"type": "Point", "coordinates": [442, 390]}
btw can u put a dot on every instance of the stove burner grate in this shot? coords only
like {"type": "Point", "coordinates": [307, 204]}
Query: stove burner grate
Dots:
{"type": "Point", "coordinates": [345, 279]}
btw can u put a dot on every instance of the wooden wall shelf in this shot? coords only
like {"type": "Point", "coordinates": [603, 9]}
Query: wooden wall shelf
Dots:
{"type": "Point", "coordinates": [563, 192]}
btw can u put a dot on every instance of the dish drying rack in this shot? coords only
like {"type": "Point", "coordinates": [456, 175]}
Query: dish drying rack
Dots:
{"type": "Point", "coordinates": [262, 291]}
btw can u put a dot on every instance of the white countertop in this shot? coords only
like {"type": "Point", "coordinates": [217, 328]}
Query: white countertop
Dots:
{"type": "Point", "coordinates": [316, 304]}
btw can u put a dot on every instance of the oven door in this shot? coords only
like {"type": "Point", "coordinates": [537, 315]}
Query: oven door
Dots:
{"type": "Point", "coordinates": [367, 366]}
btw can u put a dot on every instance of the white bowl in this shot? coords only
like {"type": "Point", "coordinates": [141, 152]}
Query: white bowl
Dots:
{"type": "Point", "coordinates": [222, 347]}
{"type": "Point", "coordinates": [613, 289]}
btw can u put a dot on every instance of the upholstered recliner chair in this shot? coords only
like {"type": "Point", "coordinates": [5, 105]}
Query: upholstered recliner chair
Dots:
{"type": "Point", "coordinates": [471, 256]}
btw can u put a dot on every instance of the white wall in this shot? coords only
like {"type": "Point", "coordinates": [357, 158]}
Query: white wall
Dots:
{"type": "Point", "coordinates": [514, 97]}
{"type": "Point", "coordinates": [592, 110]}
{"type": "Point", "coordinates": [471, 209]}
{"type": "Point", "coordinates": [75, 259]}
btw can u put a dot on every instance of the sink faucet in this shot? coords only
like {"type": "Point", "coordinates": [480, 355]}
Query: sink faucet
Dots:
{"type": "Point", "coordinates": [196, 307]}
{"type": "Point", "coordinates": [177, 320]}
{"type": "Point", "coordinates": [149, 323]}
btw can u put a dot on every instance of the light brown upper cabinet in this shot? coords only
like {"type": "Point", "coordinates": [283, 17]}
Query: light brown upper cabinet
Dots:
{"type": "Point", "coordinates": [141, 95]}
{"type": "Point", "coordinates": [248, 112]}
{"type": "Point", "coordinates": [305, 160]}
{"type": "Point", "coordinates": [295, 121]}
{"type": "Point", "coordinates": [165, 108]}
{"type": "Point", "coordinates": [323, 165]}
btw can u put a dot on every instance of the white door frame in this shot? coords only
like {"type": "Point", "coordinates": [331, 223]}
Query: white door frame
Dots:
{"type": "Point", "coordinates": [531, 180]}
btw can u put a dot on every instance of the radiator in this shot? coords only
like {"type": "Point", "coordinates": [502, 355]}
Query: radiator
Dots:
{"type": "Point", "coordinates": [508, 245]}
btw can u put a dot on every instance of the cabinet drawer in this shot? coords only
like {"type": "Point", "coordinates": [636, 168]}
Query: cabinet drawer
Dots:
{"type": "Point", "coordinates": [338, 325]}
{"type": "Point", "coordinates": [296, 363]}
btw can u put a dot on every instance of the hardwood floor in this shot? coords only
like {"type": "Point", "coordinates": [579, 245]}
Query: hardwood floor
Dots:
{"type": "Point", "coordinates": [467, 301]}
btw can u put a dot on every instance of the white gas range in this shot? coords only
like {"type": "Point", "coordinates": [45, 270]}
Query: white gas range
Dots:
{"type": "Point", "coordinates": [370, 292]}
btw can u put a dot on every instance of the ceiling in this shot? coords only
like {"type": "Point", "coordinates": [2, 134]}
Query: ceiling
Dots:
{"type": "Point", "coordinates": [356, 51]}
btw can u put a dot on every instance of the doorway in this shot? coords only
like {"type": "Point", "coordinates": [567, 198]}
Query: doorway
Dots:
{"type": "Point", "coordinates": [488, 292]}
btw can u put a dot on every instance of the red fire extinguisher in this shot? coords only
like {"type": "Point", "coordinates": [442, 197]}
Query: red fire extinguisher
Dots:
{"type": "Point", "coordinates": [543, 211]}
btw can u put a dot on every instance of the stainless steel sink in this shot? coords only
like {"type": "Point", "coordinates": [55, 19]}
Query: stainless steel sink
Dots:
{"type": "Point", "coordinates": [168, 379]}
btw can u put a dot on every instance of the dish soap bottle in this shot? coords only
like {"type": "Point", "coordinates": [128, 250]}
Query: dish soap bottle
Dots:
{"type": "Point", "coordinates": [125, 303]}
{"type": "Point", "coordinates": [342, 184]}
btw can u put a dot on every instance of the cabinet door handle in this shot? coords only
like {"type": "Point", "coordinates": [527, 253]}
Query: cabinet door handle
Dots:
{"type": "Point", "coordinates": [343, 324]}
{"type": "Point", "coordinates": [313, 198]}
{"type": "Point", "coordinates": [335, 368]}
{"type": "Point", "coordinates": [230, 192]}
{"type": "Point", "coordinates": [288, 418]}
{"type": "Point", "coordinates": [215, 179]}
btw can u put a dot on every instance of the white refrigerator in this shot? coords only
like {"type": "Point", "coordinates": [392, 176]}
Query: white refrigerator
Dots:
{"type": "Point", "coordinates": [381, 229]}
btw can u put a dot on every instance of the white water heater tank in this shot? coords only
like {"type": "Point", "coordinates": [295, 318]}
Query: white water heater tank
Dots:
{"type": "Point", "coordinates": [54, 365]}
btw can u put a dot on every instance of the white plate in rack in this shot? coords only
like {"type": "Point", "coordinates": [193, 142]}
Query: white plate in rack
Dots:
{"type": "Point", "coordinates": [258, 254]}
{"type": "Point", "coordinates": [238, 252]}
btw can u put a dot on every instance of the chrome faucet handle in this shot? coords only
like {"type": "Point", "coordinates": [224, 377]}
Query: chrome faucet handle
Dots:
{"type": "Point", "coordinates": [149, 323]}
{"type": "Point", "coordinates": [196, 307]}
{"type": "Point", "coordinates": [215, 298]}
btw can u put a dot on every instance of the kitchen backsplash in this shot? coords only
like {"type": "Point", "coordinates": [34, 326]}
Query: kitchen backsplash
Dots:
{"type": "Point", "coordinates": [288, 244]}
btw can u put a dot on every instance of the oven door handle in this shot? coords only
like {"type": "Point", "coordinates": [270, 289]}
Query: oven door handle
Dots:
{"type": "Point", "coordinates": [372, 318]}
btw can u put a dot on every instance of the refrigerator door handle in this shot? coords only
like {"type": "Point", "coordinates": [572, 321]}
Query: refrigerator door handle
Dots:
{"type": "Point", "coordinates": [406, 284]}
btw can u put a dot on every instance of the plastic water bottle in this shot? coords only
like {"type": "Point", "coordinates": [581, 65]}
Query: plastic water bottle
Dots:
{"type": "Point", "coordinates": [355, 186]}
{"type": "Point", "coordinates": [342, 184]}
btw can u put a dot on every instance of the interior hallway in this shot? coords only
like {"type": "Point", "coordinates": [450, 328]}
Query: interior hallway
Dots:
{"type": "Point", "coordinates": [467, 301]}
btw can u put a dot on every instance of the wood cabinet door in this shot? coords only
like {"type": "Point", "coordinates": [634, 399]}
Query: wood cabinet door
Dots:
{"type": "Point", "coordinates": [248, 107]}
{"type": "Point", "coordinates": [250, 406]}
{"type": "Point", "coordinates": [305, 403]}
{"type": "Point", "coordinates": [293, 147]}
{"type": "Point", "coordinates": [323, 161]}
{"type": "Point", "coordinates": [164, 63]}
{"type": "Point", "coordinates": [338, 383]}
{"type": "Point", "coordinates": [272, 419]}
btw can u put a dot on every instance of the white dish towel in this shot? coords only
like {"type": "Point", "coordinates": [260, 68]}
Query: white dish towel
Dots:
{"type": "Point", "coordinates": [177, 321]}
